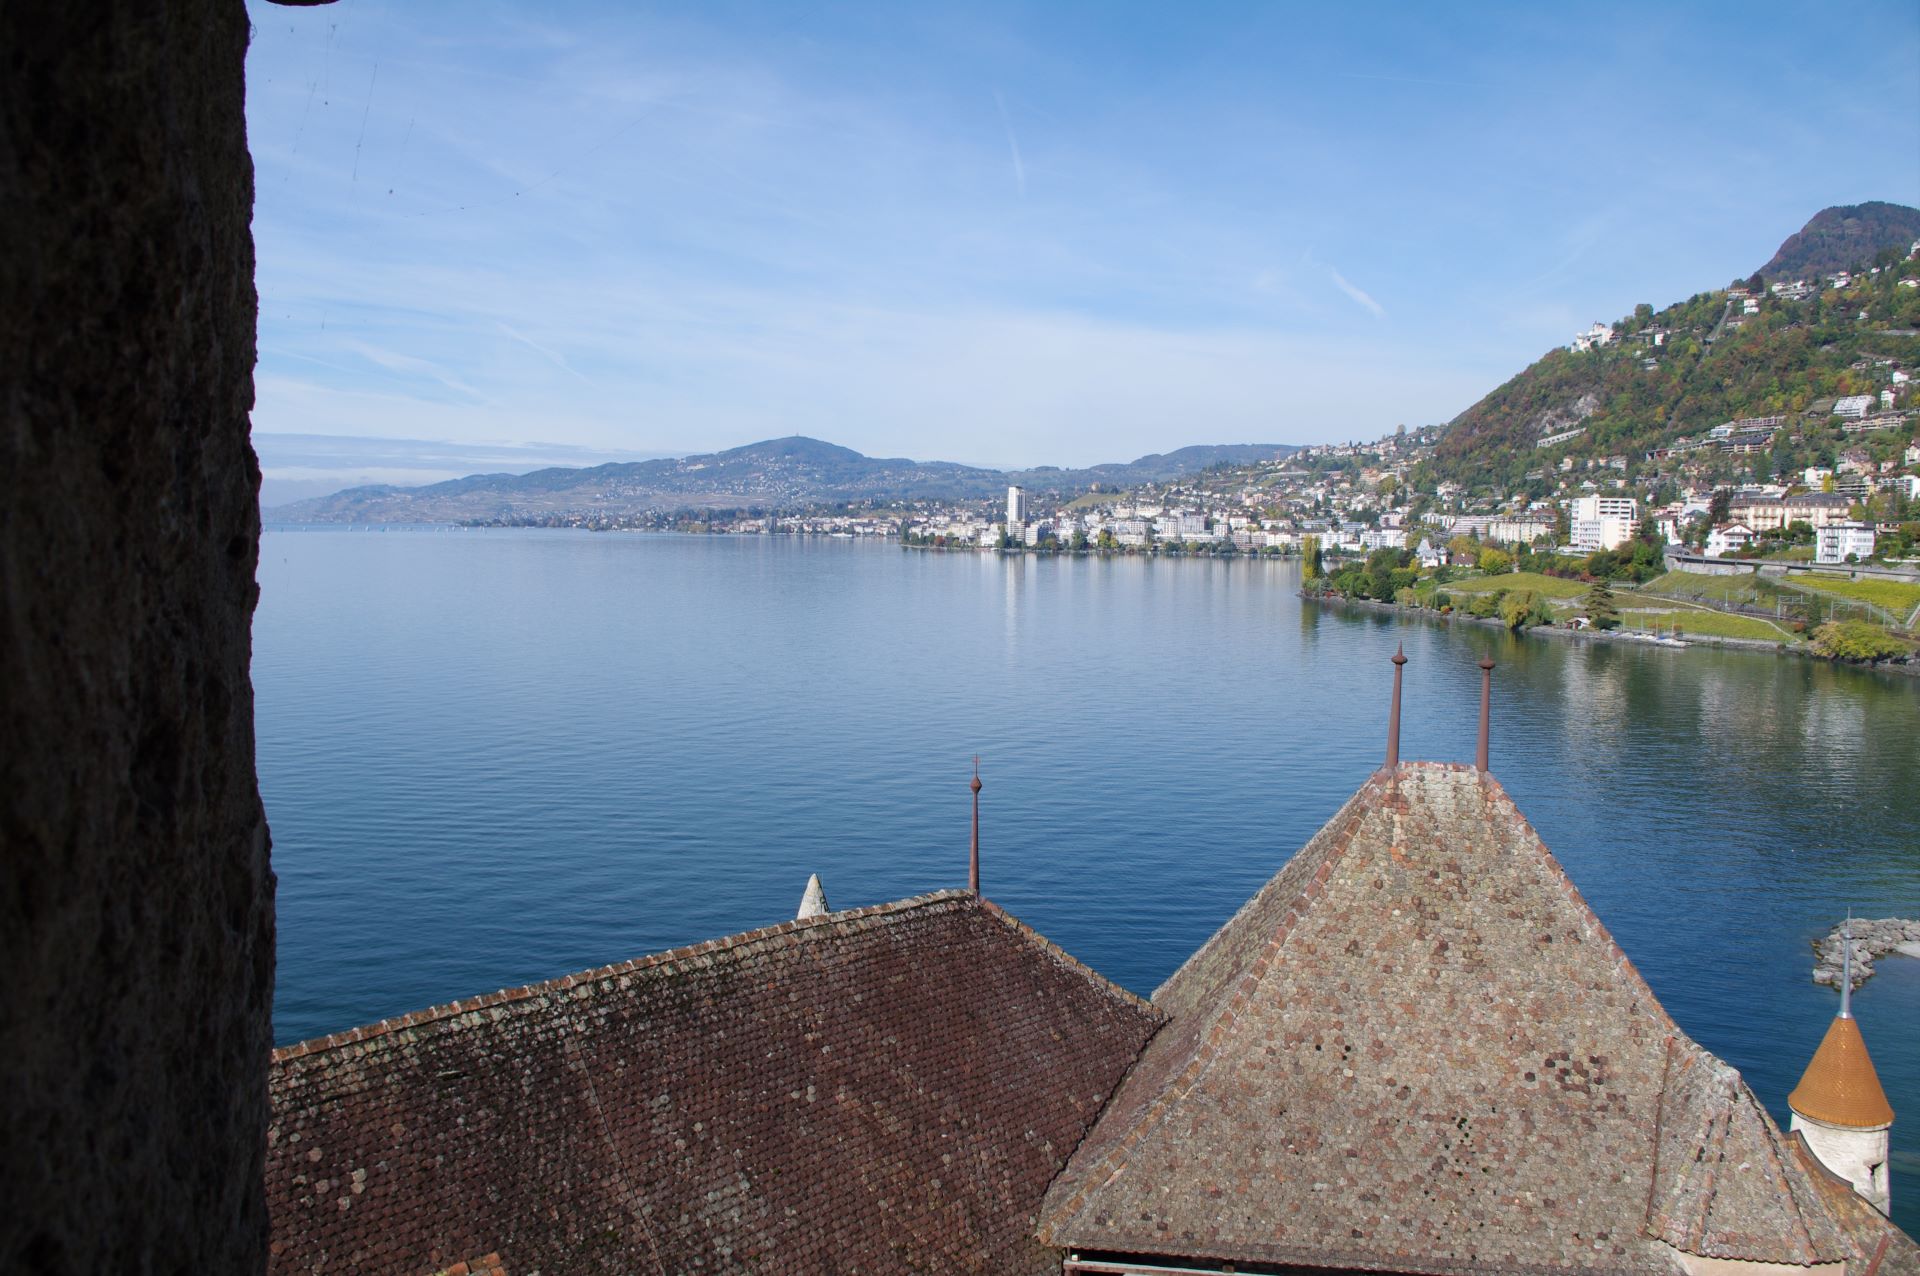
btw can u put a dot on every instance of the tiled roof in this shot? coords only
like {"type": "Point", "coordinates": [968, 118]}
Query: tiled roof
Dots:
{"type": "Point", "coordinates": [1417, 1049]}
{"type": "Point", "coordinates": [1880, 1248]}
{"type": "Point", "coordinates": [1840, 1086]}
{"type": "Point", "coordinates": [1725, 1182]}
{"type": "Point", "coordinates": [884, 1089]}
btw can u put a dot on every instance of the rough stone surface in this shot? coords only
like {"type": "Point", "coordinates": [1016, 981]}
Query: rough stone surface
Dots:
{"type": "Point", "coordinates": [1871, 939]}
{"type": "Point", "coordinates": [136, 928]}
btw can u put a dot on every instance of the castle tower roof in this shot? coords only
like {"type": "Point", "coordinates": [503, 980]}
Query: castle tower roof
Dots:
{"type": "Point", "coordinates": [1417, 1049]}
{"type": "Point", "coordinates": [1840, 1086]}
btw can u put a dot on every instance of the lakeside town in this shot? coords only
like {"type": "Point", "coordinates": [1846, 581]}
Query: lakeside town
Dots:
{"type": "Point", "coordinates": [1742, 467]}
{"type": "Point", "coordinates": [1792, 529]}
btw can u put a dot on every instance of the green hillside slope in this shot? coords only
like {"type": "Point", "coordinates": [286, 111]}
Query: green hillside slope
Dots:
{"type": "Point", "coordinates": [1677, 372]}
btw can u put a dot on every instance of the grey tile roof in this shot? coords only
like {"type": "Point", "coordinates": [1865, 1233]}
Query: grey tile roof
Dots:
{"type": "Point", "coordinates": [1417, 1049]}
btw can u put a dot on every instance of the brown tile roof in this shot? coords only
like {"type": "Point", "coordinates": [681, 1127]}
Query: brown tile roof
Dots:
{"type": "Point", "coordinates": [1840, 1086]}
{"type": "Point", "coordinates": [1417, 1049]}
{"type": "Point", "coordinates": [884, 1089]}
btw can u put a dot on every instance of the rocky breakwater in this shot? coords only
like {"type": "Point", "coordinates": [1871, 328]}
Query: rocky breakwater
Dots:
{"type": "Point", "coordinates": [1870, 939]}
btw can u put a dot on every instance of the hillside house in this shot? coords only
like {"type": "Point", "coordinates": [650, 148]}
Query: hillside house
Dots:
{"type": "Point", "coordinates": [1728, 539]}
{"type": "Point", "coordinates": [1599, 334]}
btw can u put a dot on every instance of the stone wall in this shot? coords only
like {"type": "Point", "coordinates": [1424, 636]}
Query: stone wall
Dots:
{"type": "Point", "coordinates": [136, 901]}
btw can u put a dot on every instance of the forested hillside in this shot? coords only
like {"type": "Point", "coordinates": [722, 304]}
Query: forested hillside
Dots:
{"type": "Point", "coordinates": [1670, 374]}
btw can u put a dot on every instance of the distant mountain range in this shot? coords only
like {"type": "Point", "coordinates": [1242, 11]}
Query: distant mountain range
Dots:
{"type": "Point", "coordinates": [1673, 373]}
{"type": "Point", "coordinates": [778, 474]}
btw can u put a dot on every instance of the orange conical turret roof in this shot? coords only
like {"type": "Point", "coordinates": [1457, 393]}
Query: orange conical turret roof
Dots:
{"type": "Point", "coordinates": [1840, 1086]}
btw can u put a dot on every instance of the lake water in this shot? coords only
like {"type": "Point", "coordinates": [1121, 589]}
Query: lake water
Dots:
{"type": "Point", "coordinates": [491, 758]}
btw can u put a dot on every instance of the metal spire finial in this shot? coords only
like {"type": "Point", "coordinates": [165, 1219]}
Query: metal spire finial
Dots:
{"type": "Point", "coordinates": [1393, 717]}
{"type": "Point", "coordinates": [1846, 968]}
{"type": "Point", "coordinates": [973, 856]}
{"type": "Point", "coordinates": [1486, 713]}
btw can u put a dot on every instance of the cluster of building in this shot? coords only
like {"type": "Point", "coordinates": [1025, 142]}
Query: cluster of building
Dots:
{"type": "Point", "coordinates": [1358, 497]}
{"type": "Point", "coordinates": [1276, 507]}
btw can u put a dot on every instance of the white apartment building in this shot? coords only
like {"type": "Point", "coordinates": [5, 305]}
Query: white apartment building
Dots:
{"type": "Point", "coordinates": [1853, 405]}
{"type": "Point", "coordinates": [1603, 522]}
{"type": "Point", "coordinates": [1832, 543]}
{"type": "Point", "coordinates": [1769, 513]}
{"type": "Point", "coordinates": [1016, 505]}
{"type": "Point", "coordinates": [1183, 526]}
{"type": "Point", "coordinates": [1727, 539]}
{"type": "Point", "coordinates": [1519, 529]}
{"type": "Point", "coordinates": [1599, 334]}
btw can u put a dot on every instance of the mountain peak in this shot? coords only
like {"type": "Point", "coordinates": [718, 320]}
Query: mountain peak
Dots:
{"type": "Point", "coordinates": [797, 447]}
{"type": "Point", "coordinates": [1843, 237]}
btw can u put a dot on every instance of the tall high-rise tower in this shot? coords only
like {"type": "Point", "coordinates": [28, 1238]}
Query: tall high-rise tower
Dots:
{"type": "Point", "coordinates": [1839, 1107]}
{"type": "Point", "coordinates": [1016, 505]}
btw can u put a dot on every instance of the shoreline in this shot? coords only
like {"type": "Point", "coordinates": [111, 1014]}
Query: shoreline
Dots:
{"type": "Point", "coordinates": [1631, 637]}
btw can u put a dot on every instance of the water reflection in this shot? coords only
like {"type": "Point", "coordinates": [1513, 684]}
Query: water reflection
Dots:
{"type": "Point", "coordinates": [635, 742]}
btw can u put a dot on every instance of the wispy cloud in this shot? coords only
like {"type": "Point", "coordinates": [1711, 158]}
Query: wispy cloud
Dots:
{"type": "Point", "coordinates": [559, 360]}
{"type": "Point", "coordinates": [408, 365]}
{"type": "Point", "coordinates": [1013, 143]}
{"type": "Point", "coordinates": [1359, 295]}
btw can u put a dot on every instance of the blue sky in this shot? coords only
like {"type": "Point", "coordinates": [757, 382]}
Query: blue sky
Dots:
{"type": "Point", "coordinates": [1012, 234]}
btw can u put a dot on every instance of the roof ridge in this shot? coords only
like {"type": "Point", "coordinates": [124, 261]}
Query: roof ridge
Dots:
{"type": "Point", "coordinates": [1344, 816]}
{"type": "Point", "coordinates": [1782, 1173]}
{"type": "Point", "coordinates": [1558, 871]}
{"type": "Point", "coordinates": [1071, 962]}
{"type": "Point", "coordinates": [1730, 1100]}
{"type": "Point", "coordinates": [1229, 1001]}
{"type": "Point", "coordinates": [742, 942]}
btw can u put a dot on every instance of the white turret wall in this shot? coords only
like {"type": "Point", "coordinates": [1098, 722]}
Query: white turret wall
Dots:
{"type": "Point", "coordinates": [1858, 1156]}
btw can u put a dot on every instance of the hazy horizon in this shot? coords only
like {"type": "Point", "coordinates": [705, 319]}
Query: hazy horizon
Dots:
{"type": "Point", "coordinates": [296, 467]}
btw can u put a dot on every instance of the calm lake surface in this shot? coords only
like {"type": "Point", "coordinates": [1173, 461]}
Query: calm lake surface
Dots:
{"type": "Point", "coordinates": [491, 758]}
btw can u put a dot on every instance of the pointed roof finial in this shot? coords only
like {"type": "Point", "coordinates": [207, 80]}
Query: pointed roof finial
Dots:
{"type": "Point", "coordinates": [813, 901]}
{"type": "Point", "coordinates": [1486, 713]}
{"type": "Point", "coordinates": [1846, 968]}
{"type": "Point", "coordinates": [1393, 717]}
{"type": "Point", "coordinates": [973, 856]}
